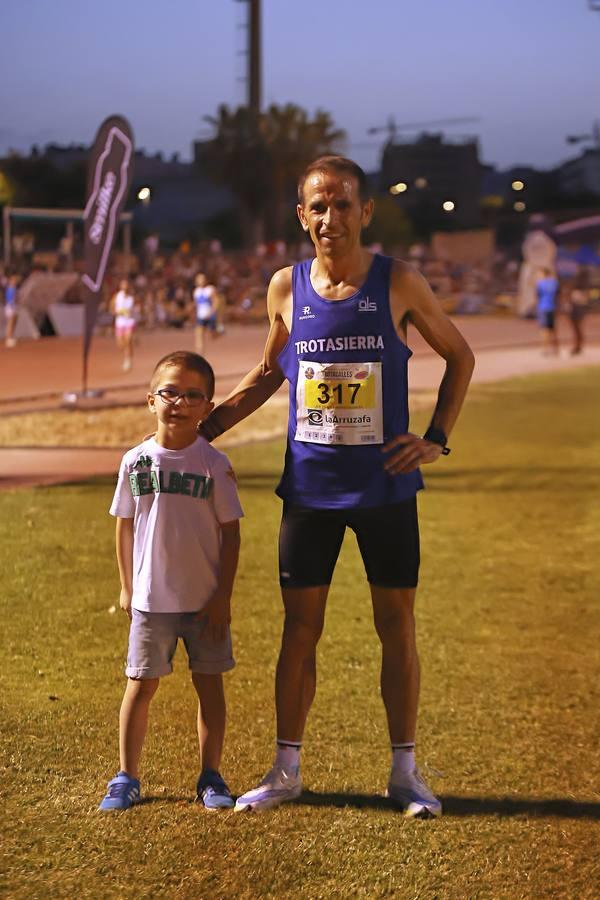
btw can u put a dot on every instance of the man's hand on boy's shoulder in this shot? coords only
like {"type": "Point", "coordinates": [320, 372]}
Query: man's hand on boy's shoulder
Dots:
{"type": "Point", "coordinates": [125, 601]}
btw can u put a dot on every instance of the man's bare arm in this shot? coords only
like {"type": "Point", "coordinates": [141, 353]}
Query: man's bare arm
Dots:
{"type": "Point", "coordinates": [412, 293]}
{"type": "Point", "coordinates": [264, 379]}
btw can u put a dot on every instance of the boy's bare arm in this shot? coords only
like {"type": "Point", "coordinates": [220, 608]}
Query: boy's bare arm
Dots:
{"type": "Point", "coordinates": [125, 562]}
{"type": "Point", "coordinates": [217, 612]}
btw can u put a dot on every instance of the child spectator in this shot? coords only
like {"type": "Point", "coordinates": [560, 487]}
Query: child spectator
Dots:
{"type": "Point", "coordinates": [178, 541]}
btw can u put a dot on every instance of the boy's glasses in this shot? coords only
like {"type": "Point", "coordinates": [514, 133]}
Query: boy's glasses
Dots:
{"type": "Point", "coordinates": [190, 398]}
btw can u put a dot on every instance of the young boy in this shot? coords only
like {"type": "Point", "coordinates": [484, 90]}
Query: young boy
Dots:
{"type": "Point", "coordinates": [178, 542]}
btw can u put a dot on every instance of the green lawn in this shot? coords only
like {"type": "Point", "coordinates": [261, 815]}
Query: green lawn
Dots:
{"type": "Point", "coordinates": [509, 725]}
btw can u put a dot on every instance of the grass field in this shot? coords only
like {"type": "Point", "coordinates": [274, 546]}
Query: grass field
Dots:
{"type": "Point", "coordinates": [508, 633]}
{"type": "Point", "coordinates": [121, 426]}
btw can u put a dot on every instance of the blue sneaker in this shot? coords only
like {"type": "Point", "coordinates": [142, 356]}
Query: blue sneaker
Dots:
{"type": "Point", "coordinates": [123, 791]}
{"type": "Point", "coordinates": [212, 791]}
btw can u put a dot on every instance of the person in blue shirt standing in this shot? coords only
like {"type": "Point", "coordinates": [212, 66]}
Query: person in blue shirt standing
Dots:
{"type": "Point", "coordinates": [338, 335]}
{"type": "Point", "coordinates": [206, 302]}
{"type": "Point", "coordinates": [546, 288]}
{"type": "Point", "coordinates": [10, 311]}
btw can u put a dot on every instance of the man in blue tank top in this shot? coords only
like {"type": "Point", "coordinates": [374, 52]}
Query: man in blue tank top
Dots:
{"type": "Point", "coordinates": [338, 334]}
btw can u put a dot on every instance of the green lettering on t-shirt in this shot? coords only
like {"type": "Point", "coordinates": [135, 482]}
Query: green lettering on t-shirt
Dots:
{"type": "Point", "coordinates": [186, 484]}
{"type": "Point", "coordinates": [144, 483]}
{"type": "Point", "coordinates": [174, 483]}
{"type": "Point", "coordinates": [206, 486]}
{"type": "Point", "coordinates": [158, 481]}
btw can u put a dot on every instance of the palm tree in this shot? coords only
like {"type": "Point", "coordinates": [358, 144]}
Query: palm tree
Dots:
{"type": "Point", "coordinates": [260, 159]}
{"type": "Point", "coordinates": [237, 157]}
{"type": "Point", "coordinates": [294, 140]}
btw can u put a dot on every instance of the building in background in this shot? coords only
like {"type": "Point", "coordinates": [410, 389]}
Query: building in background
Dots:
{"type": "Point", "coordinates": [580, 176]}
{"type": "Point", "coordinates": [436, 180]}
{"type": "Point", "coordinates": [177, 199]}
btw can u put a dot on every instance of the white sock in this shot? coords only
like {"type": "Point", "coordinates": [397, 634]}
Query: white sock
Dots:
{"type": "Point", "coordinates": [403, 758]}
{"type": "Point", "coordinates": [288, 754]}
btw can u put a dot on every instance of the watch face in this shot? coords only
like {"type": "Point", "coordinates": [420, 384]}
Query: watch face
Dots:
{"type": "Point", "coordinates": [436, 436]}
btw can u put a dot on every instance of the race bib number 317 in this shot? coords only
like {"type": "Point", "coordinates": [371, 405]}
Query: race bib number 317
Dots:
{"type": "Point", "coordinates": [339, 403]}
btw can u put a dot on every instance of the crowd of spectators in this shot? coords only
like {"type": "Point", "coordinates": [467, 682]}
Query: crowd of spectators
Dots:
{"type": "Point", "coordinates": [162, 282]}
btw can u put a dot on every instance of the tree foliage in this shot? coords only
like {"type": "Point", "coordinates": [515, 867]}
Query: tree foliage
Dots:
{"type": "Point", "coordinates": [391, 226]}
{"type": "Point", "coordinates": [35, 181]}
{"type": "Point", "coordinates": [261, 157]}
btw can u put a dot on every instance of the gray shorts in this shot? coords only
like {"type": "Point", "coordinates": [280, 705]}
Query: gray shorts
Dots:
{"type": "Point", "coordinates": [153, 640]}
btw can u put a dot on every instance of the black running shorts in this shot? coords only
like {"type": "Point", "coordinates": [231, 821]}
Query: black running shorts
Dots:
{"type": "Point", "coordinates": [388, 539]}
{"type": "Point", "coordinates": [547, 320]}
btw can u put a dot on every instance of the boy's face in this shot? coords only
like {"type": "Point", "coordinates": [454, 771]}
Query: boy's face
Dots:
{"type": "Point", "coordinates": [179, 400]}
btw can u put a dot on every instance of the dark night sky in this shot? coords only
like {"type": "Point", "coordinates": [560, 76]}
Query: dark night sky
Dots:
{"type": "Point", "coordinates": [529, 68]}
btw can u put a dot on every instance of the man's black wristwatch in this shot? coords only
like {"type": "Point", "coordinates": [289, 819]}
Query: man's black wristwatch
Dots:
{"type": "Point", "coordinates": [437, 436]}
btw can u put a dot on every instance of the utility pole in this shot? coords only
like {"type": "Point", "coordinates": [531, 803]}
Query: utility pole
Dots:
{"type": "Point", "coordinates": [254, 58]}
{"type": "Point", "coordinates": [252, 219]}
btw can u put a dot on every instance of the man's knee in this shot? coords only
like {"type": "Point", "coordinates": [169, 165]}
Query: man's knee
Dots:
{"type": "Point", "coordinates": [304, 617]}
{"type": "Point", "coordinates": [394, 615]}
{"type": "Point", "coordinates": [301, 634]}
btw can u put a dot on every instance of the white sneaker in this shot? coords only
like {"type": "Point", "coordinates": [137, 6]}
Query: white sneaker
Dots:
{"type": "Point", "coordinates": [278, 786]}
{"type": "Point", "coordinates": [409, 791]}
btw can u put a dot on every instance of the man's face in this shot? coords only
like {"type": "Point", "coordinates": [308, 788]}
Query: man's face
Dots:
{"type": "Point", "coordinates": [333, 213]}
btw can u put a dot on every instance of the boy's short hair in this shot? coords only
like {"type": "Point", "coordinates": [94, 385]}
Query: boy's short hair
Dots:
{"type": "Point", "coordinates": [337, 164]}
{"type": "Point", "coordinates": [185, 359]}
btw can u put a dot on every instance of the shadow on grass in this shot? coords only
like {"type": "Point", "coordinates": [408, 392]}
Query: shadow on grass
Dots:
{"type": "Point", "coordinates": [149, 799]}
{"type": "Point", "coordinates": [466, 806]}
{"type": "Point", "coordinates": [458, 807]}
{"type": "Point", "coordinates": [515, 806]}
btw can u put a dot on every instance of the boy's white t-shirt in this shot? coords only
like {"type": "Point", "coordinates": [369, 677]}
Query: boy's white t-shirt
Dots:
{"type": "Point", "coordinates": [177, 499]}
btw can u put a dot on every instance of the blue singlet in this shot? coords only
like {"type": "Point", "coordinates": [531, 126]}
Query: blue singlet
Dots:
{"type": "Point", "coordinates": [329, 338]}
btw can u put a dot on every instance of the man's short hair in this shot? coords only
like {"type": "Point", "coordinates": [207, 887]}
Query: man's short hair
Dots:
{"type": "Point", "coordinates": [337, 164]}
{"type": "Point", "coordinates": [185, 359]}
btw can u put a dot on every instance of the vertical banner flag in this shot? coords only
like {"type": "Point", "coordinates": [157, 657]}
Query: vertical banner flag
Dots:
{"type": "Point", "coordinates": [109, 178]}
